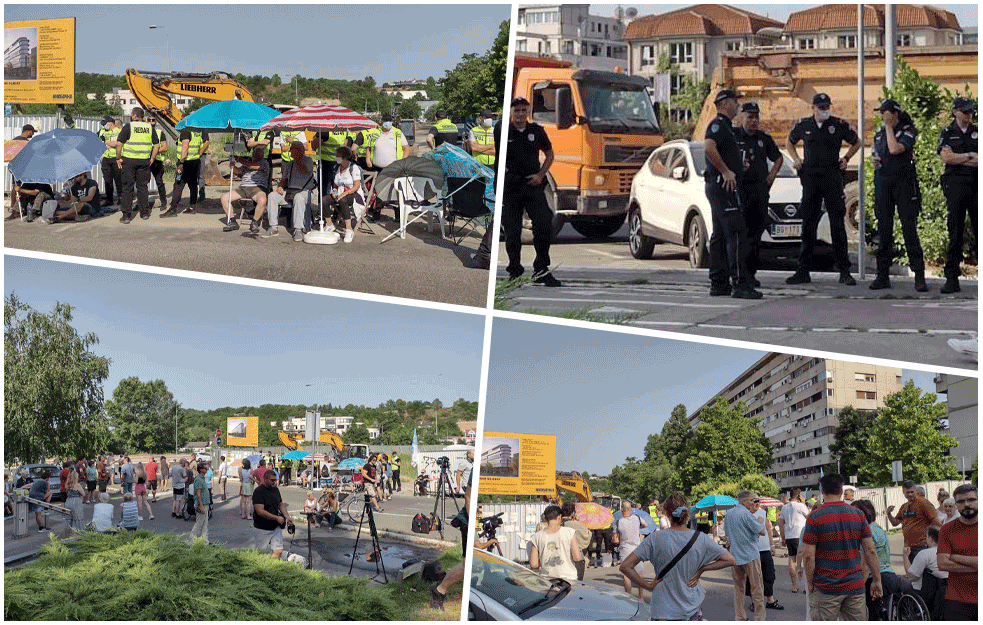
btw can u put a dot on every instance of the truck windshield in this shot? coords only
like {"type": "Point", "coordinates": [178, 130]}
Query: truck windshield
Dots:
{"type": "Point", "coordinates": [618, 108]}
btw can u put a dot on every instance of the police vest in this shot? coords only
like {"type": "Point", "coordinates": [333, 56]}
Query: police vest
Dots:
{"type": "Point", "coordinates": [330, 142]}
{"type": "Point", "coordinates": [194, 146]}
{"type": "Point", "coordinates": [162, 154]}
{"type": "Point", "coordinates": [266, 148]}
{"type": "Point", "coordinates": [140, 145]}
{"type": "Point", "coordinates": [286, 138]}
{"type": "Point", "coordinates": [484, 136]}
{"type": "Point", "coordinates": [447, 129]}
{"type": "Point", "coordinates": [108, 135]}
{"type": "Point", "coordinates": [397, 134]}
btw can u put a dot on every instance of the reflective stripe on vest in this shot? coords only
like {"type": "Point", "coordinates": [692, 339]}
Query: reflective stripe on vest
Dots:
{"type": "Point", "coordinates": [194, 146]}
{"type": "Point", "coordinates": [397, 135]}
{"type": "Point", "coordinates": [109, 135]}
{"type": "Point", "coordinates": [161, 139]}
{"type": "Point", "coordinates": [140, 144]}
{"type": "Point", "coordinates": [446, 126]}
{"type": "Point", "coordinates": [266, 148]}
{"type": "Point", "coordinates": [484, 136]}
{"type": "Point", "coordinates": [357, 150]}
{"type": "Point", "coordinates": [286, 138]}
{"type": "Point", "coordinates": [330, 142]}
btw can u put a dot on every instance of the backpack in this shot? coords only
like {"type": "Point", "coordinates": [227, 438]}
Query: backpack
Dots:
{"type": "Point", "coordinates": [421, 524]}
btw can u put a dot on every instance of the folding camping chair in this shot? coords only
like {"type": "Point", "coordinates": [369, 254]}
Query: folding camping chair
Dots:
{"type": "Point", "coordinates": [368, 180]}
{"type": "Point", "coordinates": [419, 196]}
{"type": "Point", "coordinates": [467, 196]}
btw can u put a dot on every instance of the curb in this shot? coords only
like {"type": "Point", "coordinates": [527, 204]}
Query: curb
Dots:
{"type": "Point", "coordinates": [427, 542]}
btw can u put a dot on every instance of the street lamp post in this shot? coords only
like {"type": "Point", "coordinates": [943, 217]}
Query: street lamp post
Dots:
{"type": "Point", "coordinates": [167, 45]}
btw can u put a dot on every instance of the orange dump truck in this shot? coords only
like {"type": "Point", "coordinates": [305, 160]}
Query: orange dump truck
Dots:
{"type": "Point", "coordinates": [603, 128]}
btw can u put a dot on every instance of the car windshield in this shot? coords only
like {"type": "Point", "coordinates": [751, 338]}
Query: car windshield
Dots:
{"type": "Point", "coordinates": [699, 158]}
{"type": "Point", "coordinates": [34, 472]}
{"type": "Point", "coordinates": [618, 108]}
{"type": "Point", "coordinates": [511, 585]}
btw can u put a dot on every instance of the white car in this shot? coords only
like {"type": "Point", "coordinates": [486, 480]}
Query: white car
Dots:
{"type": "Point", "coordinates": [668, 204]}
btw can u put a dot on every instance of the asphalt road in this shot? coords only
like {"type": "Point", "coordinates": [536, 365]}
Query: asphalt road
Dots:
{"type": "Point", "coordinates": [420, 267]}
{"type": "Point", "coordinates": [665, 294]}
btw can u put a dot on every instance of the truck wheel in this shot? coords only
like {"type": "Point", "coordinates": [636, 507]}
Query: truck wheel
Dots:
{"type": "Point", "coordinates": [641, 246]}
{"type": "Point", "coordinates": [697, 243]}
{"type": "Point", "coordinates": [597, 227]}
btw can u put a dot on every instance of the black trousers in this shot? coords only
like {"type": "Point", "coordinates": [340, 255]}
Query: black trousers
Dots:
{"type": "Point", "coordinates": [961, 198]}
{"type": "Point", "coordinates": [767, 574]}
{"type": "Point", "coordinates": [136, 174]}
{"type": "Point", "coordinates": [521, 198]}
{"type": "Point", "coordinates": [899, 192]}
{"type": "Point", "coordinates": [728, 246]}
{"type": "Point", "coordinates": [112, 178]}
{"type": "Point", "coordinates": [397, 485]}
{"type": "Point", "coordinates": [189, 177]}
{"type": "Point", "coordinates": [754, 201]}
{"type": "Point", "coordinates": [157, 172]}
{"type": "Point", "coordinates": [327, 176]}
{"type": "Point", "coordinates": [817, 188]}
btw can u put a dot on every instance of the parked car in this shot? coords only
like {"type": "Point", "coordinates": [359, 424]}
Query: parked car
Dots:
{"type": "Point", "coordinates": [668, 204]}
{"type": "Point", "coordinates": [34, 472]}
{"type": "Point", "coordinates": [502, 590]}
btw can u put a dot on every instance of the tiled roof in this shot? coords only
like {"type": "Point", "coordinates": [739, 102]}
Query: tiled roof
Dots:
{"type": "Point", "coordinates": [700, 19]}
{"type": "Point", "coordinates": [842, 16]}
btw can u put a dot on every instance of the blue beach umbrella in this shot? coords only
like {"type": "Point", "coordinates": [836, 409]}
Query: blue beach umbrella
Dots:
{"type": "Point", "coordinates": [56, 156]}
{"type": "Point", "coordinates": [296, 454]}
{"type": "Point", "coordinates": [349, 464]}
{"type": "Point", "coordinates": [715, 502]}
{"type": "Point", "coordinates": [228, 115]}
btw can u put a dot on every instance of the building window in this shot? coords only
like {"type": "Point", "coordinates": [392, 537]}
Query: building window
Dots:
{"type": "Point", "coordinates": [676, 83]}
{"type": "Point", "coordinates": [846, 41]}
{"type": "Point", "coordinates": [681, 52]}
{"type": "Point", "coordinates": [568, 47]}
{"type": "Point", "coordinates": [807, 43]}
{"type": "Point", "coordinates": [904, 39]}
{"type": "Point", "coordinates": [866, 395]}
{"type": "Point", "coordinates": [520, 45]}
{"type": "Point", "coordinates": [733, 46]}
{"type": "Point", "coordinates": [829, 392]}
{"type": "Point", "coordinates": [649, 56]}
{"type": "Point", "coordinates": [864, 377]}
{"type": "Point", "coordinates": [521, 18]}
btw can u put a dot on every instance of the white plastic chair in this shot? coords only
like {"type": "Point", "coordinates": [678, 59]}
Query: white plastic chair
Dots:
{"type": "Point", "coordinates": [417, 196]}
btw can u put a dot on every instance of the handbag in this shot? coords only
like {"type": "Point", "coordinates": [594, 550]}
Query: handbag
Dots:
{"type": "Point", "coordinates": [679, 556]}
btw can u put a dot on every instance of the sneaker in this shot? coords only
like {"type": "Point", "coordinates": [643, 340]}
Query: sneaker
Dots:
{"type": "Point", "coordinates": [272, 232]}
{"type": "Point", "coordinates": [329, 228]}
{"type": "Point", "coordinates": [968, 347]}
{"type": "Point", "coordinates": [189, 211]}
{"type": "Point", "coordinates": [951, 286]}
{"type": "Point", "coordinates": [720, 290]}
{"type": "Point", "coordinates": [29, 217]}
{"type": "Point", "coordinates": [882, 282]}
{"type": "Point", "coordinates": [436, 598]}
{"type": "Point", "coordinates": [746, 292]}
{"type": "Point", "coordinates": [168, 213]}
{"type": "Point", "coordinates": [799, 277]}
{"type": "Point", "coordinates": [254, 227]}
{"type": "Point", "coordinates": [920, 285]}
{"type": "Point", "coordinates": [140, 518]}
{"type": "Point", "coordinates": [349, 236]}
{"type": "Point", "coordinates": [847, 279]}
{"type": "Point", "coordinates": [232, 225]}
{"type": "Point", "coordinates": [548, 279]}
{"type": "Point", "coordinates": [774, 605]}
{"type": "Point", "coordinates": [49, 220]}
{"type": "Point", "coordinates": [298, 235]}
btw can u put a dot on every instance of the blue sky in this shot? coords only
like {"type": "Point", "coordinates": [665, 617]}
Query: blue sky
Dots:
{"type": "Point", "coordinates": [346, 41]}
{"type": "Point", "coordinates": [966, 13]}
{"type": "Point", "coordinates": [601, 392]}
{"type": "Point", "coordinates": [218, 344]}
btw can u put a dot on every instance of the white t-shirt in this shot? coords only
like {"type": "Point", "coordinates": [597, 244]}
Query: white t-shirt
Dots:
{"type": "Point", "coordinates": [554, 553]}
{"type": "Point", "coordinates": [102, 516]}
{"type": "Point", "coordinates": [384, 152]}
{"type": "Point", "coordinates": [465, 470]}
{"type": "Point", "coordinates": [926, 559]}
{"type": "Point", "coordinates": [223, 469]}
{"type": "Point", "coordinates": [794, 514]}
{"type": "Point", "coordinates": [345, 179]}
{"type": "Point", "coordinates": [764, 542]}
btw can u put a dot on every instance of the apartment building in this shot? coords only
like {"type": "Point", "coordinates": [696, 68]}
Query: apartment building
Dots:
{"type": "Point", "coordinates": [127, 101]}
{"type": "Point", "coordinates": [499, 456]}
{"type": "Point", "coordinates": [962, 407]}
{"type": "Point", "coordinates": [338, 425]}
{"type": "Point", "coordinates": [18, 54]}
{"type": "Point", "coordinates": [569, 32]}
{"type": "Point", "coordinates": [834, 26]}
{"type": "Point", "coordinates": [798, 400]}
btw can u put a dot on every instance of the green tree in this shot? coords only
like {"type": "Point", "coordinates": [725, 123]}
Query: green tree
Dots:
{"type": "Point", "coordinates": [725, 446]}
{"type": "Point", "coordinates": [928, 105]}
{"type": "Point", "coordinates": [142, 416]}
{"type": "Point", "coordinates": [477, 82]}
{"type": "Point", "coordinates": [761, 484]}
{"type": "Point", "coordinates": [52, 385]}
{"type": "Point", "coordinates": [409, 109]}
{"type": "Point", "coordinates": [356, 434]}
{"type": "Point", "coordinates": [850, 439]}
{"type": "Point", "coordinates": [907, 428]}
{"type": "Point", "coordinates": [675, 433]}
{"type": "Point", "coordinates": [690, 97]}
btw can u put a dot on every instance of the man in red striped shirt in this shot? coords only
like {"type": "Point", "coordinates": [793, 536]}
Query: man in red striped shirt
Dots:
{"type": "Point", "coordinates": [958, 554]}
{"type": "Point", "coordinates": [835, 535]}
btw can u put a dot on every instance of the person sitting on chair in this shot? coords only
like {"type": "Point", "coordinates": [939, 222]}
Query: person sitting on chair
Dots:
{"type": "Point", "coordinates": [255, 181]}
{"type": "Point", "coordinates": [294, 189]}
{"type": "Point", "coordinates": [347, 192]}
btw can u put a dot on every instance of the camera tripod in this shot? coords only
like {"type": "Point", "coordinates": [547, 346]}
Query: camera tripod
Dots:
{"type": "Point", "coordinates": [441, 499]}
{"type": "Point", "coordinates": [376, 554]}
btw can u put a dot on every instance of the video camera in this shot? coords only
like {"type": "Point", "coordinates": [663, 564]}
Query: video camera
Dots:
{"type": "Point", "coordinates": [444, 463]}
{"type": "Point", "coordinates": [489, 525]}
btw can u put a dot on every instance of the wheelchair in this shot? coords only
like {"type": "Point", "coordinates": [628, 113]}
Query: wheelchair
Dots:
{"type": "Point", "coordinates": [901, 602]}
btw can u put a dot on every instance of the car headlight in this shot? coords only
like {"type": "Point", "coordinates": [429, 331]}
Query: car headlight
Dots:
{"type": "Point", "coordinates": [599, 180]}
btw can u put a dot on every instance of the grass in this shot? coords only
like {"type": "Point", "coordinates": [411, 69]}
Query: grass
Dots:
{"type": "Point", "coordinates": [585, 314]}
{"type": "Point", "coordinates": [504, 287]}
{"type": "Point", "coordinates": [415, 595]}
{"type": "Point", "coordinates": [145, 576]}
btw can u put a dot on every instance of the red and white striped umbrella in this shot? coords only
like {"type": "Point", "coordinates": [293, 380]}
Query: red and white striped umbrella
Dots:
{"type": "Point", "coordinates": [769, 502]}
{"type": "Point", "coordinates": [317, 457]}
{"type": "Point", "coordinates": [319, 117]}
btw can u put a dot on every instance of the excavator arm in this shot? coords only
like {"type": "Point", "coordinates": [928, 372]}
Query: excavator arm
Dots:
{"type": "Point", "coordinates": [291, 442]}
{"type": "Point", "coordinates": [153, 90]}
{"type": "Point", "coordinates": [571, 482]}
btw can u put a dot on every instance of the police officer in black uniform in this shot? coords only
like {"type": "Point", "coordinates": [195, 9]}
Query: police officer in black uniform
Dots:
{"type": "Point", "coordinates": [728, 243]}
{"type": "Point", "coordinates": [896, 185]}
{"type": "Point", "coordinates": [958, 148]}
{"type": "Point", "coordinates": [757, 148]}
{"type": "Point", "coordinates": [821, 174]}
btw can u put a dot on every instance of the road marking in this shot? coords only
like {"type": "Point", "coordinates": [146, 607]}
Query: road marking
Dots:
{"type": "Point", "coordinates": [616, 301]}
{"type": "Point", "coordinates": [966, 305]}
{"type": "Point", "coordinates": [722, 327]}
{"type": "Point", "coordinates": [892, 331]}
{"type": "Point", "coordinates": [661, 323]}
{"type": "Point", "coordinates": [613, 309]}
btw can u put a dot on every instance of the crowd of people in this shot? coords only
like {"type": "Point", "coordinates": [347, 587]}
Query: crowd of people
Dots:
{"type": "Point", "coordinates": [837, 552]}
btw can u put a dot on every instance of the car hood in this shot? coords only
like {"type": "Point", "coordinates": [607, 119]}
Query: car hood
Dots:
{"type": "Point", "coordinates": [587, 602]}
{"type": "Point", "coordinates": [786, 190]}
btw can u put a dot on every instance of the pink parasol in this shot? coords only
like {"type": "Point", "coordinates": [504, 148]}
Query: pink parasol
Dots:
{"type": "Point", "coordinates": [319, 117]}
{"type": "Point", "coordinates": [593, 515]}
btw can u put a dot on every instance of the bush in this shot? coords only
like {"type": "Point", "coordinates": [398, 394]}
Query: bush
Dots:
{"type": "Point", "coordinates": [142, 576]}
{"type": "Point", "coordinates": [928, 106]}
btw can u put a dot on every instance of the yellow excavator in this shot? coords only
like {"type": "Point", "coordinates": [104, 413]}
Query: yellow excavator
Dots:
{"type": "Point", "coordinates": [342, 450]}
{"type": "Point", "coordinates": [572, 482]}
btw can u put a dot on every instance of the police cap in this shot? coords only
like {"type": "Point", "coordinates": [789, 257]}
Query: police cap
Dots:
{"type": "Point", "coordinates": [889, 105]}
{"type": "Point", "coordinates": [107, 119]}
{"type": "Point", "coordinates": [68, 120]}
{"type": "Point", "coordinates": [963, 104]}
{"type": "Point", "coordinates": [821, 99]}
{"type": "Point", "coordinates": [28, 127]}
{"type": "Point", "coordinates": [441, 114]}
{"type": "Point", "coordinates": [750, 107]}
{"type": "Point", "coordinates": [725, 94]}
{"type": "Point", "coordinates": [519, 101]}
{"type": "Point", "coordinates": [486, 113]}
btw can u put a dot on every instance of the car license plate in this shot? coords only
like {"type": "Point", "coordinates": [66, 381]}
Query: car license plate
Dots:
{"type": "Point", "coordinates": [786, 230]}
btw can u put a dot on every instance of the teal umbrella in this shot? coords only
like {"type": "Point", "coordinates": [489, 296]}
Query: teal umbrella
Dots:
{"type": "Point", "coordinates": [715, 502]}
{"type": "Point", "coordinates": [228, 115]}
{"type": "Point", "coordinates": [296, 454]}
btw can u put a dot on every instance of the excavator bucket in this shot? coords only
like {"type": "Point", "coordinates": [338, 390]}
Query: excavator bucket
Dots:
{"type": "Point", "coordinates": [213, 173]}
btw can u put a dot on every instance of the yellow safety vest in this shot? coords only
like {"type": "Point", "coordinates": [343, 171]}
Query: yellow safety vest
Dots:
{"type": "Point", "coordinates": [447, 127]}
{"type": "Point", "coordinates": [330, 142]}
{"type": "Point", "coordinates": [397, 135]}
{"type": "Point", "coordinates": [107, 135]}
{"type": "Point", "coordinates": [357, 150]}
{"type": "Point", "coordinates": [286, 138]}
{"type": "Point", "coordinates": [484, 136]}
{"type": "Point", "coordinates": [140, 144]}
{"type": "Point", "coordinates": [257, 136]}
{"type": "Point", "coordinates": [162, 154]}
{"type": "Point", "coordinates": [194, 146]}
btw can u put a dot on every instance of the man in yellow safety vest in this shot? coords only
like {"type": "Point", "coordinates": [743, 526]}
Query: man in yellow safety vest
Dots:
{"type": "Point", "coordinates": [137, 147]}
{"type": "Point", "coordinates": [483, 139]}
{"type": "Point", "coordinates": [111, 173]}
{"type": "Point", "coordinates": [444, 130]}
{"type": "Point", "coordinates": [157, 168]}
{"type": "Point", "coordinates": [193, 145]}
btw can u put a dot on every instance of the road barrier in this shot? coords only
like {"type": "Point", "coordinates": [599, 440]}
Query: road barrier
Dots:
{"type": "Point", "coordinates": [22, 524]}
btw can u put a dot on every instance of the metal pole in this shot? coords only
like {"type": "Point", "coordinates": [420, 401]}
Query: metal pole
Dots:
{"type": "Point", "coordinates": [175, 429]}
{"type": "Point", "coordinates": [861, 218]}
{"type": "Point", "coordinates": [890, 42]}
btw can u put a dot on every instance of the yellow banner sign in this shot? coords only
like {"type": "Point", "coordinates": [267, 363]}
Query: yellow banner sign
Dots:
{"type": "Point", "coordinates": [517, 464]}
{"type": "Point", "coordinates": [39, 61]}
{"type": "Point", "coordinates": [243, 431]}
